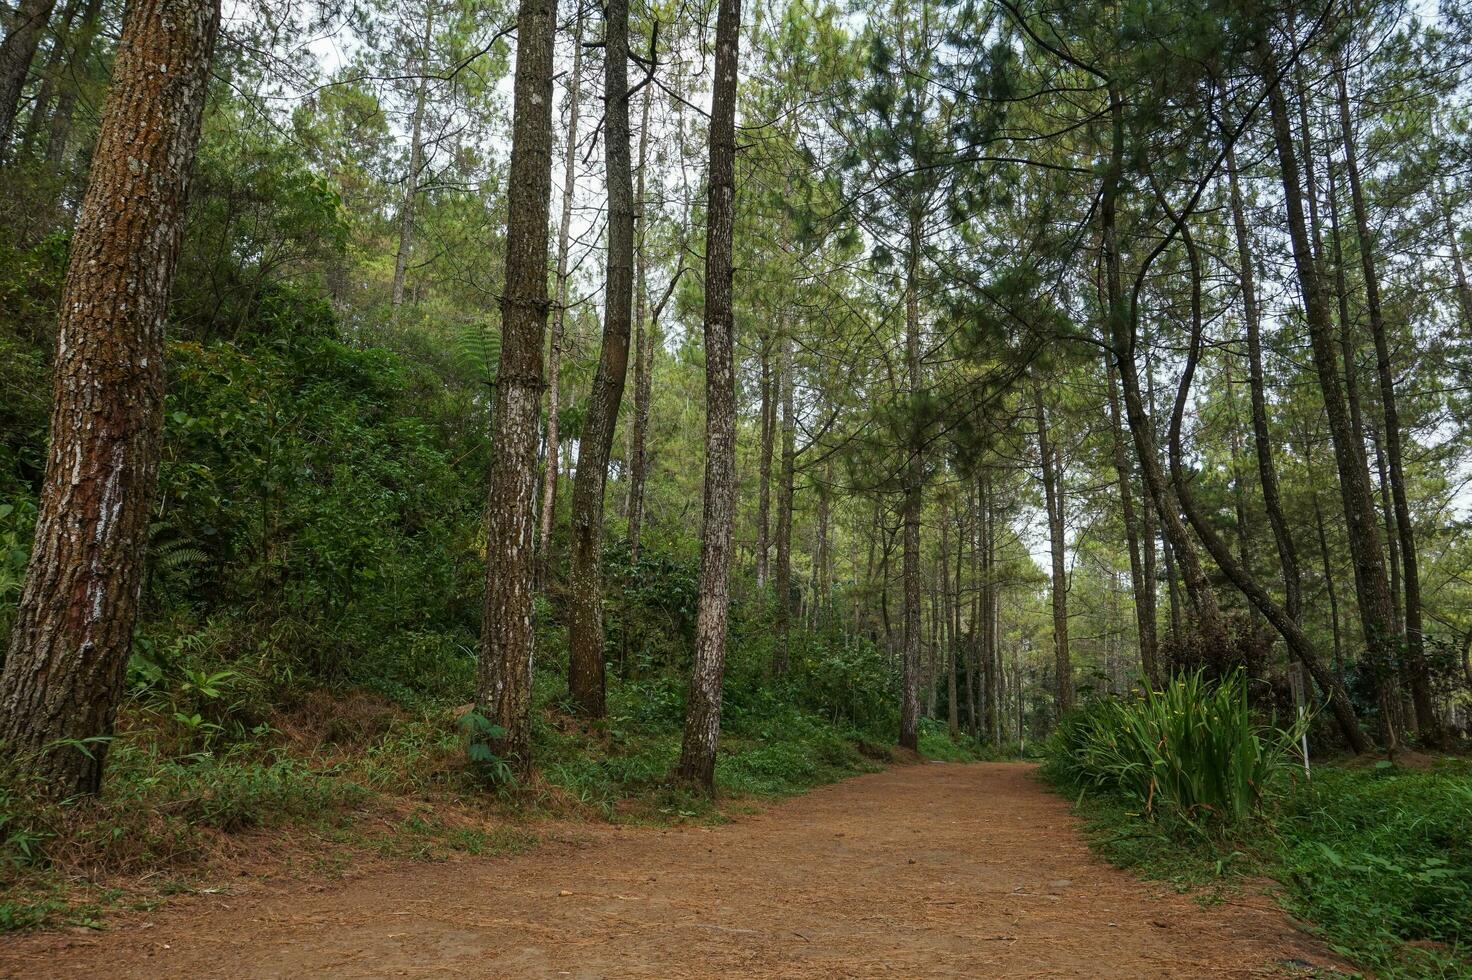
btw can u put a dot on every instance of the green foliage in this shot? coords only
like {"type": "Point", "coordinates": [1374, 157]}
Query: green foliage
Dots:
{"type": "Point", "coordinates": [1380, 857]}
{"type": "Point", "coordinates": [1190, 753]}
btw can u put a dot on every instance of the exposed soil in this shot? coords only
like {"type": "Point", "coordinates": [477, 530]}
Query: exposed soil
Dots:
{"type": "Point", "coordinates": [920, 871]}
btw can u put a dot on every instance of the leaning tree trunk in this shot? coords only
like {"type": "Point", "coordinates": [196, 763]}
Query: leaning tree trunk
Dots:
{"type": "Point", "coordinates": [1427, 726]}
{"type": "Point", "coordinates": [504, 671]}
{"type": "Point", "coordinates": [1267, 469]}
{"type": "Point", "coordinates": [23, 29]}
{"type": "Point", "coordinates": [68, 652]}
{"type": "Point", "coordinates": [585, 675]}
{"type": "Point", "coordinates": [914, 498]}
{"type": "Point", "coordinates": [783, 577]}
{"type": "Point", "coordinates": [1354, 480]}
{"type": "Point", "coordinates": [1236, 569]}
{"type": "Point", "coordinates": [697, 764]}
{"type": "Point", "coordinates": [559, 310]}
{"type": "Point", "coordinates": [1053, 499]}
{"type": "Point", "coordinates": [1210, 632]}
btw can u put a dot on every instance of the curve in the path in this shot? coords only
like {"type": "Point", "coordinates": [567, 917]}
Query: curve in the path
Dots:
{"type": "Point", "coordinates": [920, 871]}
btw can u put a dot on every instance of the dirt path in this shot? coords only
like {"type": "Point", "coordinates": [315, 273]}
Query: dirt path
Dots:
{"type": "Point", "coordinates": [921, 871]}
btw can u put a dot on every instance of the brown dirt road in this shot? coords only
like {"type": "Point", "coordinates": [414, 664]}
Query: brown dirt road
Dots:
{"type": "Point", "coordinates": [920, 871]}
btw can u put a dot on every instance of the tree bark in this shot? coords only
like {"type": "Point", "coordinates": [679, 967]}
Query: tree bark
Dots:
{"type": "Point", "coordinates": [953, 720]}
{"type": "Point", "coordinates": [1428, 727]}
{"type": "Point", "coordinates": [703, 707]}
{"type": "Point", "coordinates": [553, 468]}
{"type": "Point", "coordinates": [504, 670]}
{"type": "Point", "coordinates": [585, 671]}
{"type": "Point", "coordinates": [65, 667]}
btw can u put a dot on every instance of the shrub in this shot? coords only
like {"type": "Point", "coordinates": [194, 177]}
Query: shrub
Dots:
{"type": "Point", "coordinates": [1190, 752]}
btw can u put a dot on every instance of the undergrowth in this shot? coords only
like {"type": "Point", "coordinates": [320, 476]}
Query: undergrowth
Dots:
{"type": "Point", "coordinates": [1377, 860]}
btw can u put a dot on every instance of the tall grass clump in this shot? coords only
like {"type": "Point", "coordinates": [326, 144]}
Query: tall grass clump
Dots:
{"type": "Point", "coordinates": [1190, 753]}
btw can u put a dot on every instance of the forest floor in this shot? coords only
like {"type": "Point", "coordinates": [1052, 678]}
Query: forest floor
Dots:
{"type": "Point", "coordinates": [927, 870]}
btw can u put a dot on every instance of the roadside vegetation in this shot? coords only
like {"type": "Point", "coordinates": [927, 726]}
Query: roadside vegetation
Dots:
{"type": "Point", "coordinates": [1186, 786]}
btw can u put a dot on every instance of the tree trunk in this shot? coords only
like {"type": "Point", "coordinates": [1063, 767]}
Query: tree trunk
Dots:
{"type": "Point", "coordinates": [1267, 469]}
{"type": "Point", "coordinates": [416, 164]}
{"type": "Point", "coordinates": [1359, 508]}
{"type": "Point", "coordinates": [1236, 570]}
{"type": "Point", "coordinates": [703, 707]}
{"type": "Point", "coordinates": [585, 675]}
{"type": "Point", "coordinates": [68, 653]}
{"type": "Point", "coordinates": [1144, 598]}
{"type": "Point", "coordinates": [41, 104]}
{"type": "Point", "coordinates": [768, 423]}
{"type": "Point", "coordinates": [1210, 633]}
{"type": "Point", "coordinates": [1329, 587]}
{"type": "Point", "coordinates": [504, 671]}
{"type": "Point", "coordinates": [23, 29]}
{"type": "Point", "coordinates": [1427, 726]}
{"type": "Point", "coordinates": [953, 721]}
{"type": "Point", "coordinates": [644, 343]}
{"type": "Point", "coordinates": [66, 101]}
{"type": "Point", "coordinates": [1053, 498]}
{"type": "Point", "coordinates": [914, 497]}
{"type": "Point", "coordinates": [559, 309]}
{"type": "Point", "coordinates": [783, 577]}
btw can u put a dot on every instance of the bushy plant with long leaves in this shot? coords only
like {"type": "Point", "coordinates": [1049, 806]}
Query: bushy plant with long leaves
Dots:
{"type": "Point", "coordinates": [1191, 751]}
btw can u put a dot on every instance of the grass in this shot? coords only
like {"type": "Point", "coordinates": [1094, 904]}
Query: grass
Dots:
{"type": "Point", "coordinates": [1378, 861]}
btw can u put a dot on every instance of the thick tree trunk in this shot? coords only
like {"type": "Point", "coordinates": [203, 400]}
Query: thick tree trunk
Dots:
{"type": "Point", "coordinates": [68, 652]}
{"type": "Point", "coordinates": [1144, 598]}
{"type": "Point", "coordinates": [553, 468]}
{"type": "Point", "coordinates": [1267, 469]}
{"type": "Point", "coordinates": [914, 498]}
{"type": "Point", "coordinates": [1053, 499]}
{"type": "Point", "coordinates": [1428, 728]}
{"type": "Point", "coordinates": [1359, 508]}
{"type": "Point", "coordinates": [783, 577]}
{"type": "Point", "coordinates": [703, 707]}
{"type": "Point", "coordinates": [644, 343]}
{"type": "Point", "coordinates": [23, 29]}
{"type": "Point", "coordinates": [585, 673]}
{"type": "Point", "coordinates": [504, 671]}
